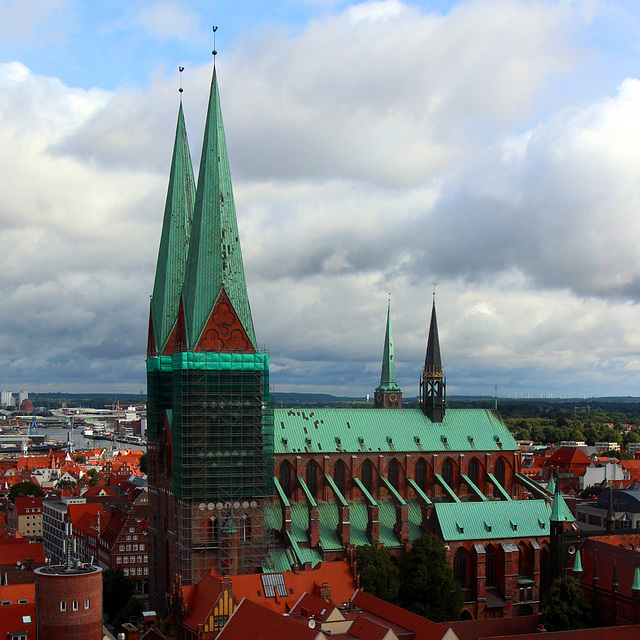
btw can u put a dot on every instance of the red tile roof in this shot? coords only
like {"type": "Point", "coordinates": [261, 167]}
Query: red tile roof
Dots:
{"type": "Point", "coordinates": [474, 629]}
{"type": "Point", "coordinates": [13, 550]}
{"type": "Point", "coordinates": [424, 629]}
{"type": "Point", "coordinates": [250, 620]}
{"type": "Point", "coordinates": [315, 606]}
{"type": "Point", "coordinates": [367, 629]}
{"type": "Point", "coordinates": [628, 632]}
{"type": "Point", "coordinates": [569, 455]}
{"type": "Point", "coordinates": [12, 619]}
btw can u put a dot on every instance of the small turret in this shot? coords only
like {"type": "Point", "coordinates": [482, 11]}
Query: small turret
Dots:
{"type": "Point", "coordinates": [433, 384]}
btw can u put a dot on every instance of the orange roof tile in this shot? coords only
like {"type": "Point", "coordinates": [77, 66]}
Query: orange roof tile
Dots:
{"type": "Point", "coordinates": [423, 629]}
{"type": "Point", "coordinates": [264, 625]}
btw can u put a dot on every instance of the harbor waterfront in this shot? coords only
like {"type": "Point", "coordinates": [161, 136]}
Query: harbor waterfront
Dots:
{"type": "Point", "coordinates": [81, 442]}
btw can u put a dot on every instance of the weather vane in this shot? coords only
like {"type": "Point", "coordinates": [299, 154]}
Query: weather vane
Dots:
{"type": "Point", "coordinates": [180, 69]}
{"type": "Point", "coordinates": [214, 52]}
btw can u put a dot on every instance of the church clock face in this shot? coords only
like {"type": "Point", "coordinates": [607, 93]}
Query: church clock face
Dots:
{"type": "Point", "coordinates": [393, 398]}
{"type": "Point", "coordinates": [378, 397]}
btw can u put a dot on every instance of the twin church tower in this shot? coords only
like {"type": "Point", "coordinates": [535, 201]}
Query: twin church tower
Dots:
{"type": "Point", "coordinates": [210, 414]}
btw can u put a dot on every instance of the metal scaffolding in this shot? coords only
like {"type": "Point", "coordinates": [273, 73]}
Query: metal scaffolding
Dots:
{"type": "Point", "coordinates": [221, 466]}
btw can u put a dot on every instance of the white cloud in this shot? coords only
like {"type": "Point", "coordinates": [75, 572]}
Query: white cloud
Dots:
{"type": "Point", "coordinates": [376, 150]}
{"type": "Point", "coordinates": [168, 20]}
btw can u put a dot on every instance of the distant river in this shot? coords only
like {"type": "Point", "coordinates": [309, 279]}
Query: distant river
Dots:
{"type": "Point", "coordinates": [80, 442]}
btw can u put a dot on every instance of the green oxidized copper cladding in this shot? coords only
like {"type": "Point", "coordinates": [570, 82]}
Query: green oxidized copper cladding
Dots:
{"type": "Point", "coordinates": [215, 258]}
{"type": "Point", "coordinates": [174, 241]}
{"type": "Point", "coordinates": [388, 375]}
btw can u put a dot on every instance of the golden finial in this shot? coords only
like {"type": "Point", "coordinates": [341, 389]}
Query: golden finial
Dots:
{"type": "Point", "coordinates": [435, 284]}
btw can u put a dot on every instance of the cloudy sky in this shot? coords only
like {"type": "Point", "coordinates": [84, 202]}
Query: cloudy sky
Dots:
{"type": "Point", "coordinates": [491, 146]}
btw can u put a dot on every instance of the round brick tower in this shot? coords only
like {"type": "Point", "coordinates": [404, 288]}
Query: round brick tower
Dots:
{"type": "Point", "coordinates": [69, 602]}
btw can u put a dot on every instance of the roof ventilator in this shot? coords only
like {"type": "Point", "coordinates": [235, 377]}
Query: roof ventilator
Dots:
{"type": "Point", "coordinates": [417, 439]}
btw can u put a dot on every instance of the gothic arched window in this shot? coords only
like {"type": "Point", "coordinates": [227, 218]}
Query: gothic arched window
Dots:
{"type": "Point", "coordinates": [312, 478]}
{"type": "Point", "coordinates": [284, 478]}
{"type": "Point", "coordinates": [339, 475]}
{"type": "Point", "coordinates": [394, 474]}
{"type": "Point", "coordinates": [447, 472]}
{"type": "Point", "coordinates": [421, 474]}
{"type": "Point", "coordinates": [366, 475]}
{"type": "Point", "coordinates": [474, 471]}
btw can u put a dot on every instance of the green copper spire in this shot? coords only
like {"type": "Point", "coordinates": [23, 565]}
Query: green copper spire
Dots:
{"type": "Point", "coordinates": [174, 241]}
{"type": "Point", "coordinates": [388, 375]}
{"type": "Point", "coordinates": [551, 486]}
{"type": "Point", "coordinates": [559, 511]}
{"type": "Point", "coordinates": [214, 263]}
{"type": "Point", "coordinates": [636, 579]}
{"type": "Point", "coordinates": [577, 563]}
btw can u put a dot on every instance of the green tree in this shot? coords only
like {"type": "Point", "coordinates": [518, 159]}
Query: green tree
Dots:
{"type": "Point", "coordinates": [80, 459]}
{"type": "Point", "coordinates": [564, 606]}
{"type": "Point", "coordinates": [379, 576]}
{"type": "Point", "coordinates": [116, 593]}
{"type": "Point", "coordinates": [25, 488]}
{"type": "Point", "coordinates": [93, 477]}
{"type": "Point", "coordinates": [143, 463]}
{"type": "Point", "coordinates": [427, 584]}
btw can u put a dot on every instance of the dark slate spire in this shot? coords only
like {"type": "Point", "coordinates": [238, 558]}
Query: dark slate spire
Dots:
{"type": "Point", "coordinates": [433, 363]}
{"type": "Point", "coordinates": [388, 394]}
{"type": "Point", "coordinates": [610, 522]}
{"type": "Point", "coordinates": [433, 385]}
{"type": "Point", "coordinates": [174, 244]}
{"type": "Point", "coordinates": [214, 279]}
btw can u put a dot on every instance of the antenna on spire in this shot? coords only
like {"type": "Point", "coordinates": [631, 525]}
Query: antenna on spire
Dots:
{"type": "Point", "coordinates": [214, 52]}
{"type": "Point", "coordinates": [180, 69]}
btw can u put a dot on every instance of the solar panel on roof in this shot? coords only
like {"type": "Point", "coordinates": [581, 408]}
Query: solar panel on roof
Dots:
{"type": "Point", "coordinates": [271, 582]}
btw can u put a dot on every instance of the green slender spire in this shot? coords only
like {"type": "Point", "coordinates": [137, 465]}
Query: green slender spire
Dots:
{"type": "Point", "coordinates": [388, 375]}
{"type": "Point", "coordinates": [214, 263]}
{"type": "Point", "coordinates": [636, 579]}
{"type": "Point", "coordinates": [559, 511]}
{"type": "Point", "coordinates": [174, 241]}
{"type": "Point", "coordinates": [577, 563]}
{"type": "Point", "coordinates": [551, 486]}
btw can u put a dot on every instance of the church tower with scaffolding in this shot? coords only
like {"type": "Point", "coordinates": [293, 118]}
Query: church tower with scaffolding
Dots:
{"type": "Point", "coordinates": [210, 413]}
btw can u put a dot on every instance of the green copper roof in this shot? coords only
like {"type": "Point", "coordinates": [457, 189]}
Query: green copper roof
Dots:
{"type": "Point", "coordinates": [458, 521]}
{"type": "Point", "coordinates": [327, 431]}
{"type": "Point", "coordinates": [174, 241]}
{"type": "Point", "coordinates": [215, 258]}
{"type": "Point", "coordinates": [388, 375]}
{"type": "Point", "coordinates": [492, 519]}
